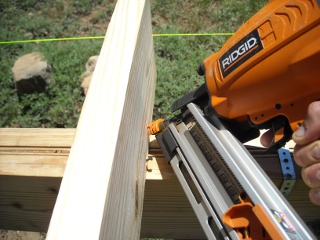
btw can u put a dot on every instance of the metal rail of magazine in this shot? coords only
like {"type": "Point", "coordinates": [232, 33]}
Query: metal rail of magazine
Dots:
{"type": "Point", "coordinates": [216, 210]}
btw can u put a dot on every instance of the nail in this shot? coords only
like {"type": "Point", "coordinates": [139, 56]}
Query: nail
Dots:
{"type": "Point", "coordinates": [315, 152]}
{"type": "Point", "coordinates": [300, 132]}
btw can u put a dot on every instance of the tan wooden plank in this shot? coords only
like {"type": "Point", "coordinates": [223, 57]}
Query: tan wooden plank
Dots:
{"type": "Point", "coordinates": [103, 186]}
{"type": "Point", "coordinates": [33, 165]}
{"type": "Point", "coordinates": [34, 152]}
{"type": "Point", "coordinates": [58, 137]}
{"type": "Point", "coordinates": [26, 203]}
{"type": "Point", "coordinates": [166, 211]}
{"type": "Point", "coordinates": [158, 167]}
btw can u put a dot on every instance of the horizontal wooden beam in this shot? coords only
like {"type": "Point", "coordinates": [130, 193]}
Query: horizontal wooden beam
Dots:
{"type": "Point", "coordinates": [35, 152]}
{"type": "Point", "coordinates": [36, 137]}
{"type": "Point", "coordinates": [32, 163]}
{"type": "Point", "coordinates": [26, 202]}
{"type": "Point", "coordinates": [28, 191]}
{"type": "Point", "coordinates": [25, 154]}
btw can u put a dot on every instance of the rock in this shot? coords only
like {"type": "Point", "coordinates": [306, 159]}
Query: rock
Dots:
{"type": "Point", "coordinates": [91, 63]}
{"type": "Point", "coordinates": [87, 76]}
{"type": "Point", "coordinates": [86, 80]}
{"type": "Point", "coordinates": [31, 73]}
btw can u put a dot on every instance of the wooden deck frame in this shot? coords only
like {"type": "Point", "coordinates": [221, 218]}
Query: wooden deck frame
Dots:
{"type": "Point", "coordinates": [103, 185]}
{"type": "Point", "coordinates": [32, 163]}
{"type": "Point", "coordinates": [103, 197]}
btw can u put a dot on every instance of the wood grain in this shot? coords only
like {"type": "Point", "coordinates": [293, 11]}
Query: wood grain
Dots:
{"type": "Point", "coordinates": [35, 137]}
{"type": "Point", "coordinates": [103, 185]}
{"type": "Point", "coordinates": [26, 201]}
{"type": "Point", "coordinates": [41, 152]}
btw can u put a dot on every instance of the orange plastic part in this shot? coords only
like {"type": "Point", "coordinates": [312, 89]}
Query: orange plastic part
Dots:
{"type": "Point", "coordinates": [250, 221]}
{"type": "Point", "coordinates": [269, 67]}
{"type": "Point", "coordinates": [155, 127]}
{"type": "Point", "coordinates": [267, 224]}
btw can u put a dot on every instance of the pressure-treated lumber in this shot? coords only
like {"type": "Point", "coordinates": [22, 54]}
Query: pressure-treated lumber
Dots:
{"type": "Point", "coordinates": [26, 203]}
{"type": "Point", "coordinates": [27, 195]}
{"type": "Point", "coordinates": [34, 152]}
{"type": "Point", "coordinates": [36, 137]}
{"type": "Point", "coordinates": [32, 163]}
{"type": "Point", "coordinates": [101, 195]}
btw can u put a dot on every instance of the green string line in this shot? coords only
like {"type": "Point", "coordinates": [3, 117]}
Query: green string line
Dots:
{"type": "Point", "coordinates": [102, 37]}
{"type": "Point", "coordinates": [51, 40]}
{"type": "Point", "coordinates": [190, 34]}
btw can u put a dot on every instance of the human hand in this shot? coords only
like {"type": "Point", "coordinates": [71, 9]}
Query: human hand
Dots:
{"type": "Point", "coordinates": [307, 150]}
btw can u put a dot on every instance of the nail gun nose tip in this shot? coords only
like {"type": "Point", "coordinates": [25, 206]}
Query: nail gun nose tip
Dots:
{"type": "Point", "coordinates": [150, 130]}
{"type": "Point", "coordinates": [155, 127]}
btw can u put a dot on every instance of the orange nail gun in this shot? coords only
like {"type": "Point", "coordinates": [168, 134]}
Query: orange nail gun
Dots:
{"type": "Point", "coordinates": [264, 77]}
{"type": "Point", "coordinates": [266, 74]}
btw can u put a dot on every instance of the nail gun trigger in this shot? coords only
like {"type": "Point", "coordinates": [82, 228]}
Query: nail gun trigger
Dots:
{"type": "Point", "coordinates": [282, 133]}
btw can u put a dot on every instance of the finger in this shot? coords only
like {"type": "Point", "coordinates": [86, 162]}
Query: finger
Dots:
{"type": "Point", "coordinates": [266, 138]}
{"type": "Point", "coordinates": [311, 175]}
{"type": "Point", "coordinates": [314, 195]}
{"type": "Point", "coordinates": [309, 131]}
{"type": "Point", "coordinates": [307, 155]}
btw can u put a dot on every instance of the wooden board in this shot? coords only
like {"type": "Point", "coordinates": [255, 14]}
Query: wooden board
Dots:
{"type": "Point", "coordinates": [103, 185]}
{"type": "Point", "coordinates": [32, 163]}
{"type": "Point", "coordinates": [27, 195]}
{"type": "Point", "coordinates": [26, 202]}
{"type": "Point", "coordinates": [167, 212]}
{"type": "Point", "coordinates": [34, 137]}
{"type": "Point", "coordinates": [34, 152]}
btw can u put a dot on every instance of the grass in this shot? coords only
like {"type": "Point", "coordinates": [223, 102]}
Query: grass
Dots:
{"type": "Point", "coordinates": [61, 104]}
{"type": "Point", "coordinates": [176, 57]}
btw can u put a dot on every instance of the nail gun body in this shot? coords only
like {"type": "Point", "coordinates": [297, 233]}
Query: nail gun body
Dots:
{"type": "Point", "coordinates": [266, 74]}
{"type": "Point", "coordinates": [264, 77]}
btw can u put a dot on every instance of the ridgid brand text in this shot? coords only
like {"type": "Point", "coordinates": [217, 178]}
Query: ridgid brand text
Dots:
{"type": "Point", "coordinates": [242, 50]}
{"type": "Point", "coordinates": [239, 53]}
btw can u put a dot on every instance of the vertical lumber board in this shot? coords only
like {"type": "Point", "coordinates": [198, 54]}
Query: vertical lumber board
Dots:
{"type": "Point", "coordinates": [101, 194]}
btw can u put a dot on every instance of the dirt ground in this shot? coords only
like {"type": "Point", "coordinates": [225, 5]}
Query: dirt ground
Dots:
{"type": "Point", "coordinates": [21, 235]}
